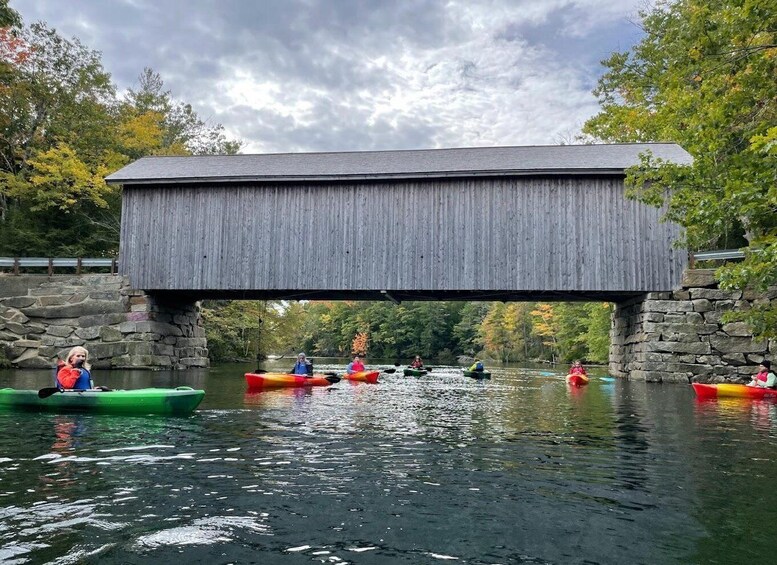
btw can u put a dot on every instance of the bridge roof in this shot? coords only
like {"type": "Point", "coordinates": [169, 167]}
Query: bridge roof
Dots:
{"type": "Point", "coordinates": [611, 159]}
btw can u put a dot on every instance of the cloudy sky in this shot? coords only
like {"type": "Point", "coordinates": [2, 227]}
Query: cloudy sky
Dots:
{"type": "Point", "coordinates": [337, 75]}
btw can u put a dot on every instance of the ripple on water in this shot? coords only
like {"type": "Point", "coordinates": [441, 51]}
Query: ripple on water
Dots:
{"type": "Point", "coordinates": [203, 531]}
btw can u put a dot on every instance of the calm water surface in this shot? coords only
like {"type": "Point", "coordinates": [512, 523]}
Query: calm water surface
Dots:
{"type": "Point", "coordinates": [438, 469]}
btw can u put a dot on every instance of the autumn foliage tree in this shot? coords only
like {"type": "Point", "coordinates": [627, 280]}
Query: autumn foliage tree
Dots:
{"type": "Point", "coordinates": [360, 344]}
{"type": "Point", "coordinates": [63, 129]}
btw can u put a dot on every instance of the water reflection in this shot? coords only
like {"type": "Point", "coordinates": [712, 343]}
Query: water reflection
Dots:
{"type": "Point", "coordinates": [761, 414]}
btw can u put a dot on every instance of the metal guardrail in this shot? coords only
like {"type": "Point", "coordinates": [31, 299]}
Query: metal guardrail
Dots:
{"type": "Point", "coordinates": [51, 263]}
{"type": "Point", "coordinates": [720, 255]}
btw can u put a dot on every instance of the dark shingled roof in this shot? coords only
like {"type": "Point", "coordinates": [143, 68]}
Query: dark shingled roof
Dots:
{"type": "Point", "coordinates": [408, 164]}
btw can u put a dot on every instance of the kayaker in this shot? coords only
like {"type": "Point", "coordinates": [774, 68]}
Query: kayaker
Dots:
{"type": "Point", "coordinates": [303, 366]}
{"type": "Point", "coordinates": [74, 374]}
{"type": "Point", "coordinates": [477, 366]}
{"type": "Point", "coordinates": [577, 368]}
{"type": "Point", "coordinates": [765, 377]}
{"type": "Point", "coordinates": [355, 366]}
{"type": "Point", "coordinates": [417, 363]}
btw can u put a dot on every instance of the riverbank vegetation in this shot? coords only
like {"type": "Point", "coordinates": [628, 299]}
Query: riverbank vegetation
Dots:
{"type": "Point", "coordinates": [439, 331]}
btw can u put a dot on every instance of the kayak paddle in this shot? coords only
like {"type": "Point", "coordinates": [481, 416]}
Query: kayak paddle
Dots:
{"type": "Point", "coordinates": [48, 391]}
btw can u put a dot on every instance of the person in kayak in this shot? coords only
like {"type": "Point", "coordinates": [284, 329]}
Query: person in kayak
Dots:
{"type": "Point", "coordinates": [355, 366]}
{"type": "Point", "coordinates": [477, 366]}
{"type": "Point", "coordinates": [765, 377]}
{"type": "Point", "coordinates": [303, 366]}
{"type": "Point", "coordinates": [417, 363]}
{"type": "Point", "coordinates": [577, 369]}
{"type": "Point", "coordinates": [74, 373]}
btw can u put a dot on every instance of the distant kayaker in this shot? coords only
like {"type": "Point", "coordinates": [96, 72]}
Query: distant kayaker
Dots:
{"type": "Point", "coordinates": [577, 368]}
{"type": "Point", "coordinates": [355, 366]}
{"type": "Point", "coordinates": [477, 366]}
{"type": "Point", "coordinates": [74, 374]}
{"type": "Point", "coordinates": [303, 366]}
{"type": "Point", "coordinates": [765, 377]}
{"type": "Point", "coordinates": [417, 363]}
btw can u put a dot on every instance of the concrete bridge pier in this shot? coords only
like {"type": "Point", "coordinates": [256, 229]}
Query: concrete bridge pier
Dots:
{"type": "Point", "coordinates": [42, 317]}
{"type": "Point", "coordinates": [680, 336]}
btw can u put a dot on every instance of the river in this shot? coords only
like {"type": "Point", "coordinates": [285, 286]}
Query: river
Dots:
{"type": "Point", "coordinates": [437, 469]}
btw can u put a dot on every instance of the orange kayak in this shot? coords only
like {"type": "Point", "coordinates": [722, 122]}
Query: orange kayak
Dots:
{"type": "Point", "coordinates": [268, 380]}
{"type": "Point", "coordinates": [363, 376]}
{"type": "Point", "coordinates": [732, 390]}
{"type": "Point", "coordinates": [577, 380]}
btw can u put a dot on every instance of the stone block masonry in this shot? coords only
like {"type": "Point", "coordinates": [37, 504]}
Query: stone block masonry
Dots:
{"type": "Point", "coordinates": [680, 336]}
{"type": "Point", "coordinates": [42, 317]}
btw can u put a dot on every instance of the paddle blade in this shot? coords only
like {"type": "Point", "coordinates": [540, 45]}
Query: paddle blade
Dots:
{"type": "Point", "coordinates": [390, 371]}
{"type": "Point", "coordinates": [332, 378]}
{"type": "Point", "coordinates": [46, 392]}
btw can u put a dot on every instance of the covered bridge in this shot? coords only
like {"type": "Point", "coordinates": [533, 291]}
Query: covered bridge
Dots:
{"type": "Point", "coordinates": [490, 223]}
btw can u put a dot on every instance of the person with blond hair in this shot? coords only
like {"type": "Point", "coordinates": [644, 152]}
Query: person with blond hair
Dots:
{"type": "Point", "coordinates": [74, 373]}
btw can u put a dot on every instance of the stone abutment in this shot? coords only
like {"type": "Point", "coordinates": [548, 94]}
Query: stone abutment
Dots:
{"type": "Point", "coordinates": [681, 337]}
{"type": "Point", "coordinates": [42, 317]}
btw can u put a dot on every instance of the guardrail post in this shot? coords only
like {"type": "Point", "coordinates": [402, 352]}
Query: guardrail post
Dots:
{"type": "Point", "coordinates": [15, 265]}
{"type": "Point", "coordinates": [51, 266]}
{"type": "Point", "coordinates": [113, 266]}
{"type": "Point", "coordinates": [78, 266]}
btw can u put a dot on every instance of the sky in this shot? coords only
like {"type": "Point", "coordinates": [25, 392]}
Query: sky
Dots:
{"type": "Point", "coordinates": [355, 75]}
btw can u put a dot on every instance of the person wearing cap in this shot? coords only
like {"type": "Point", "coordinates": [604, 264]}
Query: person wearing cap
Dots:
{"type": "Point", "coordinates": [765, 377]}
{"type": "Point", "coordinates": [303, 366]}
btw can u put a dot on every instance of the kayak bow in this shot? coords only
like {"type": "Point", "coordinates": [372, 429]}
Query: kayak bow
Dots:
{"type": "Point", "coordinates": [363, 376]}
{"type": "Point", "coordinates": [577, 380]}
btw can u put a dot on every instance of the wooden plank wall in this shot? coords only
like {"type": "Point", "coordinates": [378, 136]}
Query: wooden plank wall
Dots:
{"type": "Point", "coordinates": [559, 233]}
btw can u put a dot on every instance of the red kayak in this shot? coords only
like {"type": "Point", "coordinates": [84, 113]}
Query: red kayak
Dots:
{"type": "Point", "coordinates": [577, 380]}
{"type": "Point", "coordinates": [731, 390]}
{"type": "Point", "coordinates": [270, 380]}
{"type": "Point", "coordinates": [363, 376]}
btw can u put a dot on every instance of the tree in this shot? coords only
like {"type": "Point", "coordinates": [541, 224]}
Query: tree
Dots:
{"type": "Point", "coordinates": [545, 323]}
{"type": "Point", "coordinates": [360, 343]}
{"type": "Point", "coordinates": [704, 77]}
{"type": "Point", "coordinates": [173, 126]}
{"type": "Point", "coordinates": [55, 124]}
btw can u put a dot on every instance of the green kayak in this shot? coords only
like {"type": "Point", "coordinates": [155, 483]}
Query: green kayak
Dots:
{"type": "Point", "coordinates": [477, 374]}
{"type": "Point", "coordinates": [173, 401]}
{"type": "Point", "coordinates": [414, 372]}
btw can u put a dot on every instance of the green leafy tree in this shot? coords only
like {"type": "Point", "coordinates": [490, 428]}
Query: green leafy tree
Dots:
{"type": "Point", "coordinates": [704, 77]}
{"type": "Point", "coordinates": [597, 322]}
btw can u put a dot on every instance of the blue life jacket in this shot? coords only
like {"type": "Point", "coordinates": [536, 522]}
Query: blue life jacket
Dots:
{"type": "Point", "coordinates": [84, 382]}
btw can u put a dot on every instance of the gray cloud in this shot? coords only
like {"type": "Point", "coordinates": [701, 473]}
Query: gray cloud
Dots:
{"type": "Point", "coordinates": [317, 75]}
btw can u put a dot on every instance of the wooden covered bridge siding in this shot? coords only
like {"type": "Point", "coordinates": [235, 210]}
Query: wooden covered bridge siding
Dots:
{"type": "Point", "coordinates": [484, 224]}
